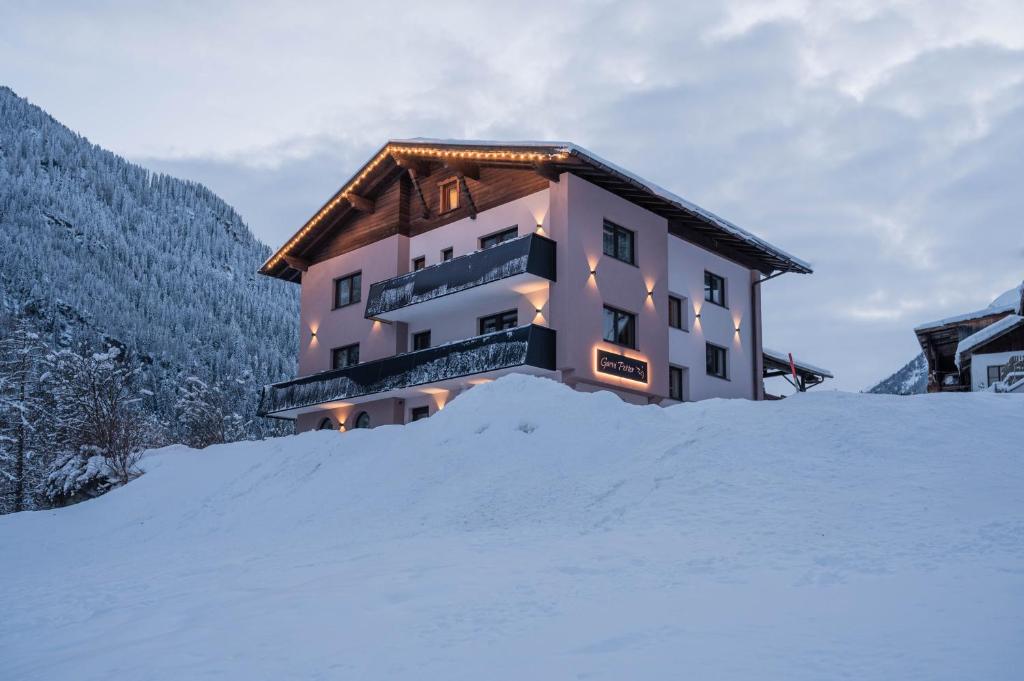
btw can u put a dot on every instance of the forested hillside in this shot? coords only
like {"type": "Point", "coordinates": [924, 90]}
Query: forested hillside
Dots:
{"type": "Point", "coordinates": [910, 379]}
{"type": "Point", "coordinates": [141, 282]}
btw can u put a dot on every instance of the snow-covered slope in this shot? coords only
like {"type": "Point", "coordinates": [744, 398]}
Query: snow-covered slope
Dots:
{"type": "Point", "coordinates": [910, 379]}
{"type": "Point", "coordinates": [531, 532]}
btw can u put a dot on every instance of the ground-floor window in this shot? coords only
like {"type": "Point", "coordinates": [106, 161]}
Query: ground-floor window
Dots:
{"type": "Point", "coordinates": [716, 361]}
{"type": "Point", "coordinates": [993, 374]}
{"type": "Point", "coordinates": [499, 322]}
{"type": "Point", "coordinates": [325, 424]}
{"type": "Point", "coordinates": [420, 413]}
{"type": "Point", "coordinates": [363, 420]}
{"type": "Point", "coordinates": [675, 383]}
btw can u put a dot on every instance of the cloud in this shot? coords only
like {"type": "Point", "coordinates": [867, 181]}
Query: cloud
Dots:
{"type": "Point", "coordinates": [881, 141]}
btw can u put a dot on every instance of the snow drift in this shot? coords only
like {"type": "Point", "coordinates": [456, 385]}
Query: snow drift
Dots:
{"type": "Point", "coordinates": [531, 532]}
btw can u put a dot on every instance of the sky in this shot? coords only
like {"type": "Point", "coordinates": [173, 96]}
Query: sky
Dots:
{"type": "Point", "coordinates": [882, 142]}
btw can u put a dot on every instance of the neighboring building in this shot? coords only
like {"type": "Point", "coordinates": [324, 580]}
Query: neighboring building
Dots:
{"type": "Point", "coordinates": [980, 350]}
{"type": "Point", "coordinates": [442, 264]}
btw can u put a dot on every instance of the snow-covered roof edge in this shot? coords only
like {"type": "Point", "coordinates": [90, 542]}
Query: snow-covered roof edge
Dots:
{"type": "Point", "coordinates": [990, 332]}
{"type": "Point", "coordinates": [1009, 301]}
{"type": "Point", "coordinates": [652, 188]}
{"type": "Point", "coordinates": [783, 358]}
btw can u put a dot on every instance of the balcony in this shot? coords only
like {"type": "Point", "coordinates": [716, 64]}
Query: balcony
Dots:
{"type": "Point", "coordinates": [529, 348]}
{"type": "Point", "coordinates": [521, 265]}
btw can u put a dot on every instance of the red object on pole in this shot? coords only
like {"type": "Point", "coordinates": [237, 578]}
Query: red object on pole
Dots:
{"type": "Point", "coordinates": [792, 367]}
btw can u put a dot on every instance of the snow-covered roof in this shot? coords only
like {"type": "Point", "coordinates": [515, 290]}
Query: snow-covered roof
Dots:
{"type": "Point", "coordinates": [990, 332]}
{"type": "Point", "coordinates": [783, 358]}
{"type": "Point", "coordinates": [1007, 301]}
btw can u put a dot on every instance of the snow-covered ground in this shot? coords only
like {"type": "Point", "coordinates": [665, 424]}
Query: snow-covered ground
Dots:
{"type": "Point", "coordinates": [531, 532]}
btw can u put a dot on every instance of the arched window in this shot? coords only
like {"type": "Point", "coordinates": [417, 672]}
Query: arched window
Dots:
{"type": "Point", "coordinates": [326, 424]}
{"type": "Point", "coordinates": [363, 420]}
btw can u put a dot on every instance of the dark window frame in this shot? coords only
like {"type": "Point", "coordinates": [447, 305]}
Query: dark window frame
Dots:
{"type": "Point", "coordinates": [419, 413]}
{"type": "Point", "coordinates": [418, 336]}
{"type": "Point", "coordinates": [357, 291]}
{"type": "Point", "coordinates": [708, 347]}
{"type": "Point", "coordinates": [359, 417]}
{"type": "Point", "coordinates": [419, 260]}
{"type": "Point", "coordinates": [443, 196]}
{"type": "Point", "coordinates": [709, 291]}
{"type": "Point", "coordinates": [348, 351]}
{"type": "Point", "coordinates": [681, 313]}
{"type": "Point", "coordinates": [499, 237]}
{"type": "Point", "coordinates": [631, 326]}
{"type": "Point", "coordinates": [617, 231]}
{"type": "Point", "coordinates": [326, 424]}
{"type": "Point", "coordinates": [447, 254]}
{"type": "Point", "coordinates": [674, 370]}
{"type": "Point", "coordinates": [998, 369]}
{"type": "Point", "coordinates": [502, 318]}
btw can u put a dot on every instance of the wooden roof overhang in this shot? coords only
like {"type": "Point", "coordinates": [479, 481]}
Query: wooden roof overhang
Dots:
{"type": "Point", "coordinates": [550, 160]}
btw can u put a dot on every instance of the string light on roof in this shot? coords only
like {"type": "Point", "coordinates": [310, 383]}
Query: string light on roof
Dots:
{"type": "Point", "coordinates": [417, 151]}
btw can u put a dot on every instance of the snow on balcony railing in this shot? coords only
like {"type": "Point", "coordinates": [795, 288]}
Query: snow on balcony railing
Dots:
{"type": "Point", "coordinates": [525, 345]}
{"type": "Point", "coordinates": [531, 254]}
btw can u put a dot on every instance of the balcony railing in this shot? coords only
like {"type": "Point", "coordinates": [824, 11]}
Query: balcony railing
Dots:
{"type": "Point", "coordinates": [529, 345]}
{"type": "Point", "coordinates": [531, 254]}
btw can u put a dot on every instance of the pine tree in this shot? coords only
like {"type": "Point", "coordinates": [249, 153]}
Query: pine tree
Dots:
{"type": "Point", "coordinates": [21, 411]}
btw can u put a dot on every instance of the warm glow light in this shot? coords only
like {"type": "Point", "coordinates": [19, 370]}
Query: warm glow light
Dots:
{"type": "Point", "coordinates": [620, 351]}
{"type": "Point", "coordinates": [439, 395]}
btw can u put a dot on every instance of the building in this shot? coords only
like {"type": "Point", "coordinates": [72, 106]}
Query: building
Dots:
{"type": "Point", "coordinates": [980, 350]}
{"type": "Point", "coordinates": [442, 264]}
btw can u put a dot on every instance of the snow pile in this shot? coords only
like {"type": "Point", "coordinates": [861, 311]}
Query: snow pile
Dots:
{"type": "Point", "coordinates": [531, 532]}
{"type": "Point", "coordinates": [1011, 301]}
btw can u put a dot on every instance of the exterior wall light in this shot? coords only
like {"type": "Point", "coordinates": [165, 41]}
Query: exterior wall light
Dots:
{"type": "Point", "coordinates": [313, 334]}
{"type": "Point", "coordinates": [540, 311]}
{"type": "Point", "coordinates": [697, 316]}
{"type": "Point", "coordinates": [593, 272]}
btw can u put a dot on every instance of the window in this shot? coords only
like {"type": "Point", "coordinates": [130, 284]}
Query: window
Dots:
{"type": "Point", "coordinates": [421, 340]}
{"type": "Point", "coordinates": [345, 356]}
{"type": "Point", "coordinates": [419, 263]}
{"type": "Point", "coordinates": [447, 254]}
{"type": "Point", "coordinates": [716, 361]}
{"type": "Point", "coordinates": [420, 413]}
{"type": "Point", "coordinates": [676, 310]}
{"type": "Point", "coordinates": [325, 424]}
{"type": "Point", "coordinates": [500, 237]}
{"type": "Point", "coordinates": [363, 420]}
{"type": "Point", "coordinates": [498, 322]}
{"type": "Point", "coordinates": [348, 290]}
{"type": "Point", "coordinates": [714, 289]}
{"type": "Point", "coordinates": [993, 374]}
{"type": "Point", "coordinates": [618, 242]}
{"type": "Point", "coordinates": [449, 190]}
{"type": "Point", "coordinates": [675, 383]}
{"type": "Point", "coordinates": [619, 327]}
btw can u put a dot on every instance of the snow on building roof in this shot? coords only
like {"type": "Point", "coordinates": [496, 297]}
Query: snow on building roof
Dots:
{"type": "Point", "coordinates": [783, 358]}
{"type": "Point", "coordinates": [990, 332]}
{"type": "Point", "coordinates": [1008, 301]}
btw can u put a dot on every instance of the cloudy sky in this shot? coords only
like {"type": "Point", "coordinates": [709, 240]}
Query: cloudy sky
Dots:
{"type": "Point", "coordinates": [884, 142]}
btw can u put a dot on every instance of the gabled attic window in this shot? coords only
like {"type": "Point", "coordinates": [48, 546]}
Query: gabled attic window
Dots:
{"type": "Point", "coordinates": [449, 191]}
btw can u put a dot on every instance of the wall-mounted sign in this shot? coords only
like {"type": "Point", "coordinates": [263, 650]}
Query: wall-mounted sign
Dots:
{"type": "Point", "coordinates": [621, 366]}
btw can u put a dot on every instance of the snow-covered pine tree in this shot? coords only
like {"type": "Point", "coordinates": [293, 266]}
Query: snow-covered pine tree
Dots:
{"type": "Point", "coordinates": [22, 409]}
{"type": "Point", "coordinates": [205, 416]}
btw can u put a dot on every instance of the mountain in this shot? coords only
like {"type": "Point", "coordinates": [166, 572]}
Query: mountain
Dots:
{"type": "Point", "coordinates": [529, 531]}
{"type": "Point", "coordinates": [911, 379]}
{"type": "Point", "coordinates": [99, 252]}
